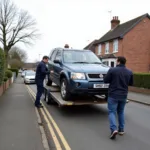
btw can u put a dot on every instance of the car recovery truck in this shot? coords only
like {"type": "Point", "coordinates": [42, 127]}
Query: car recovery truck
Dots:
{"type": "Point", "coordinates": [52, 95]}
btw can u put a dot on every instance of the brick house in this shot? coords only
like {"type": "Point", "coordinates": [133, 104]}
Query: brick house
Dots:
{"type": "Point", "coordinates": [91, 46]}
{"type": "Point", "coordinates": [30, 66]}
{"type": "Point", "coordinates": [130, 39]}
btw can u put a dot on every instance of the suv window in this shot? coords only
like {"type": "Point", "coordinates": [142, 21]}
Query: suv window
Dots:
{"type": "Point", "coordinates": [58, 55]}
{"type": "Point", "coordinates": [52, 57]}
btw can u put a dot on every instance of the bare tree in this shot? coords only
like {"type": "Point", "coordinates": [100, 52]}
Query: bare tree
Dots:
{"type": "Point", "coordinates": [19, 54]}
{"type": "Point", "coordinates": [15, 26]}
{"type": "Point", "coordinates": [15, 63]}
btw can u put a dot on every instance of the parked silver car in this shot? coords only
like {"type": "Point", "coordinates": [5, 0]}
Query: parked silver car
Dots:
{"type": "Point", "coordinates": [29, 77]}
{"type": "Point", "coordinates": [23, 72]}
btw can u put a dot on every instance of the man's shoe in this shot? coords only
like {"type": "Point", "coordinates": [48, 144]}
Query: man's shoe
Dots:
{"type": "Point", "coordinates": [121, 132]}
{"type": "Point", "coordinates": [40, 104]}
{"type": "Point", "coordinates": [113, 134]}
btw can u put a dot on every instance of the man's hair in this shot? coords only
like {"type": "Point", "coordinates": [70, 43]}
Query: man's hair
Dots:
{"type": "Point", "coordinates": [45, 57]}
{"type": "Point", "coordinates": [122, 60]}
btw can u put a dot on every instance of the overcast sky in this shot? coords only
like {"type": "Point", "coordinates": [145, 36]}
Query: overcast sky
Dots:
{"type": "Point", "coordinates": [76, 22]}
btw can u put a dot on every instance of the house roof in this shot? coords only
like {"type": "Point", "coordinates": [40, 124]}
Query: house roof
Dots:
{"type": "Point", "coordinates": [121, 29]}
{"type": "Point", "coordinates": [91, 46]}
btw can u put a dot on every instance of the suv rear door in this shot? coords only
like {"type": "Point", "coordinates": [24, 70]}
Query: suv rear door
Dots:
{"type": "Point", "coordinates": [51, 64]}
{"type": "Point", "coordinates": [57, 67]}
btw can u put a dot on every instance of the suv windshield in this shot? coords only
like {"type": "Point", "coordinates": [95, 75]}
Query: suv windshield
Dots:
{"type": "Point", "coordinates": [74, 56]}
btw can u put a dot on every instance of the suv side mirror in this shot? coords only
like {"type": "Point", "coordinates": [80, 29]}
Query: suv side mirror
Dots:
{"type": "Point", "coordinates": [57, 61]}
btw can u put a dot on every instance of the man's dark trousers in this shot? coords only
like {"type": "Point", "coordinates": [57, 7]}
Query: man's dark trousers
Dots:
{"type": "Point", "coordinates": [40, 90]}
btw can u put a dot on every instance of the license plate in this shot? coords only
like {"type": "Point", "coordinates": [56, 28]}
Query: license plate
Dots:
{"type": "Point", "coordinates": [97, 86]}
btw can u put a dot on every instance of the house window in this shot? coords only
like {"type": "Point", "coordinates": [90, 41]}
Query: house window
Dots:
{"type": "Point", "coordinates": [99, 49]}
{"type": "Point", "coordinates": [106, 63]}
{"type": "Point", "coordinates": [107, 48]}
{"type": "Point", "coordinates": [115, 46]}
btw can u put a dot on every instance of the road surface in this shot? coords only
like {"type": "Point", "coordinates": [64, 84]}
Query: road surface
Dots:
{"type": "Point", "coordinates": [87, 128]}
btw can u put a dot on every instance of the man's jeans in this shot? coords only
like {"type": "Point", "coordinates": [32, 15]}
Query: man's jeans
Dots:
{"type": "Point", "coordinates": [40, 90]}
{"type": "Point", "coordinates": [116, 106]}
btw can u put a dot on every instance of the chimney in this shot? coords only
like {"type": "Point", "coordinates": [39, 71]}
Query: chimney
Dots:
{"type": "Point", "coordinates": [66, 46]}
{"type": "Point", "coordinates": [115, 22]}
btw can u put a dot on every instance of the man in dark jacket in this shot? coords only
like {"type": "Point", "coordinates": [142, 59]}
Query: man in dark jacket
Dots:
{"type": "Point", "coordinates": [41, 73]}
{"type": "Point", "coordinates": [119, 78]}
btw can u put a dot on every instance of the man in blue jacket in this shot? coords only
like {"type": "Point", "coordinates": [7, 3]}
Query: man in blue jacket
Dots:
{"type": "Point", "coordinates": [119, 78]}
{"type": "Point", "coordinates": [41, 72]}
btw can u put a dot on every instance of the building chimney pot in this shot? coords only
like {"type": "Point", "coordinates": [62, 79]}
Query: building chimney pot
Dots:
{"type": "Point", "coordinates": [115, 22]}
{"type": "Point", "coordinates": [66, 46]}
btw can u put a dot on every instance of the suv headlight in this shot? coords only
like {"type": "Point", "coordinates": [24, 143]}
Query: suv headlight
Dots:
{"type": "Point", "coordinates": [77, 76]}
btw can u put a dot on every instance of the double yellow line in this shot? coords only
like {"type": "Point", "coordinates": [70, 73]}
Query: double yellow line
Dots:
{"type": "Point", "coordinates": [50, 121]}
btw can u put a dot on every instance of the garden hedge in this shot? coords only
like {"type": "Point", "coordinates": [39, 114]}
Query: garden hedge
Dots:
{"type": "Point", "coordinates": [8, 73]}
{"type": "Point", "coordinates": [14, 70]}
{"type": "Point", "coordinates": [142, 80]}
{"type": "Point", "coordinates": [5, 79]}
{"type": "Point", "coordinates": [2, 65]}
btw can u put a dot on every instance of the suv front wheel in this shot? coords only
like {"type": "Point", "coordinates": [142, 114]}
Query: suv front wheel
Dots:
{"type": "Point", "coordinates": [65, 94]}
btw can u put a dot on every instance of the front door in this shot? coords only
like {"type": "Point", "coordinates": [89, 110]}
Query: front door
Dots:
{"type": "Point", "coordinates": [112, 64]}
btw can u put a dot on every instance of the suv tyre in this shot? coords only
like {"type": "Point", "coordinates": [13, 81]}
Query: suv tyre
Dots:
{"type": "Point", "coordinates": [65, 94]}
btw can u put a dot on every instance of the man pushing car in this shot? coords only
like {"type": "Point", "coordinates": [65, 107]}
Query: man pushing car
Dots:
{"type": "Point", "coordinates": [41, 73]}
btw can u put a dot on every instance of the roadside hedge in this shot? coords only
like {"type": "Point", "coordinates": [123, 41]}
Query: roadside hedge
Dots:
{"type": "Point", "coordinates": [142, 80]}
{"type": "Point", "coordinates": [5, 79]}
{"type": "Point", "coordinates": [14, 70]}
{"type": "Point", "coordinates": [8, 73]}
{"type": "Point", "coordinates": [2, 65]}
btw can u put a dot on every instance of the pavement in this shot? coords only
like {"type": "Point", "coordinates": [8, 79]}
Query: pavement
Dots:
{"type": "Point", "coordinates": [19, 129]}
{"type": "Point", "coordinates": [87, 127]}
{"type": "Point", "coordinates": [139, 98]}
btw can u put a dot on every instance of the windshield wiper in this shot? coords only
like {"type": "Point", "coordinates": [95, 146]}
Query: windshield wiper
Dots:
{"type": "Point", "coordinates": [83, 62]}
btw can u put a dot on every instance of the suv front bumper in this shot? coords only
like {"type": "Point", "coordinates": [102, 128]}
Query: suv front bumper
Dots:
{"type": "Point", "coordinates": [86, 87]}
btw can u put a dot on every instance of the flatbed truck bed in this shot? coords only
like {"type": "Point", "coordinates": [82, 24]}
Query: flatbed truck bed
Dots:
{"type": "Point", "coordinates": [52, 95]}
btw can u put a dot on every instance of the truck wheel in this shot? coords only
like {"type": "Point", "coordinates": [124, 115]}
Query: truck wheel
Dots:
{"type": "Point", "coordinates": [65, 94]}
